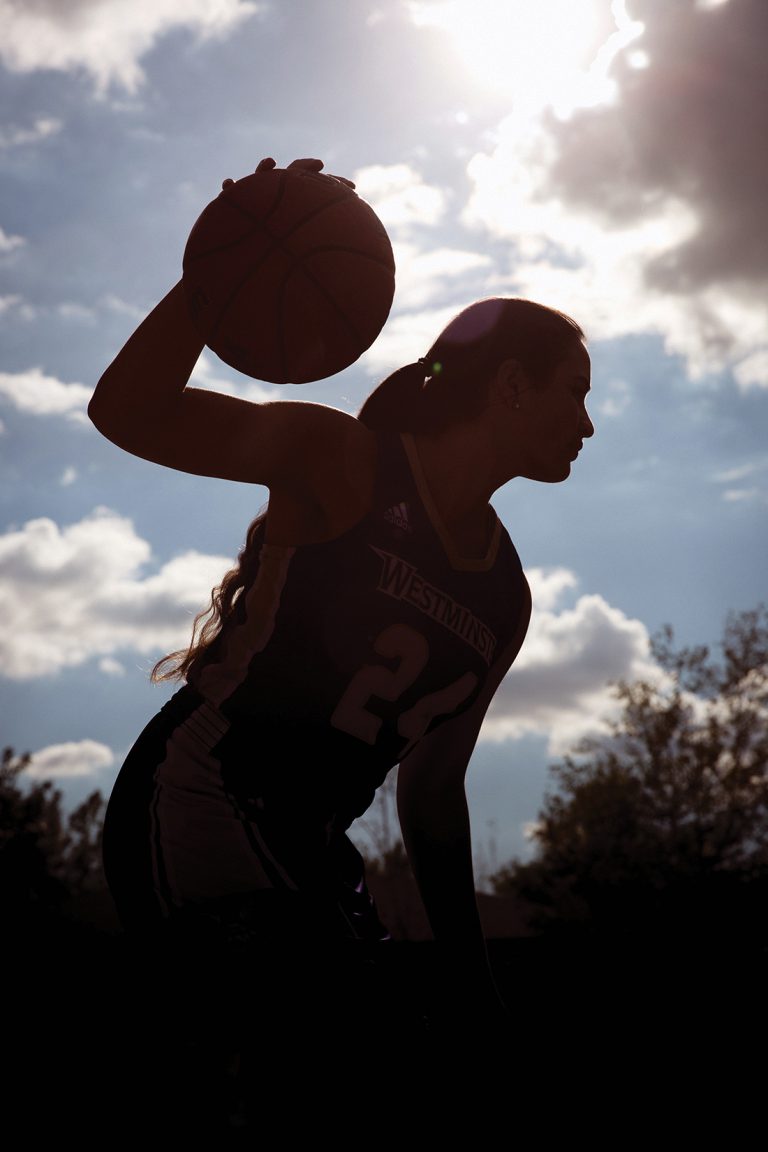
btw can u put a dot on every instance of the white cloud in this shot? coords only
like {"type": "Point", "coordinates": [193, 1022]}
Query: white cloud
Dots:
{"type": "Point", "coordinates": [107, 38]}
{"type": "Point", "coordinates": [80, 593]}
{"type": "Point", "coordinates": [405, 337]}
{"type": "Point", "coordinates": [122, 307]}
{"type": "Point", "coordinates": [749, 471]}
{"type": "Point", "coordinates": [40, 395]}
{"type": "Point", "coordinates": [615, 396]}
{"type": "Point", "coordinates": [10, 243]}
{"type": "Point", "coordinates": [560, 685]}
{"type": "Point", "coordinates": [42, 129]}
{"type": "Point", "coordinates": [206, 375]}
{"type": "Point", "coordinates": [741, 471]}
{"type": "Point", "coordinates": [548, 585]}
{"type": "Point", "coordinates": [17, 305]}
{"type": "Point", "coordinates": [423, 276]}
{"type": "Point", "coordinates": [74, 311]}
{"type": "Point", "coordinates": [752, 371]}
{"type": "Point", "coordinates": [399, 195]}
{"type": "Point", "coordinates": [68, 476]}
{"type": "Point", "coordinates": [744, 495]}
{"type": "Point", "coordinates": [70, 760]}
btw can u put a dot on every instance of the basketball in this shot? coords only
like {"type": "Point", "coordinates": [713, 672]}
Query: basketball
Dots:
{"type": "Point", "coordinates": [289, 275]}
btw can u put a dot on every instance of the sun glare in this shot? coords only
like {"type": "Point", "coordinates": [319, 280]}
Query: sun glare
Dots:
{"type": "Point", "coordinates": [548, 54]}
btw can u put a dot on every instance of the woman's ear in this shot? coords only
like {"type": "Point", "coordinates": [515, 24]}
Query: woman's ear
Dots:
{"type": "Point", "coordinates": [507, 383]}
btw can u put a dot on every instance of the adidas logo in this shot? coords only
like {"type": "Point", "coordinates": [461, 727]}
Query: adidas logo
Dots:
{"type": "Point", "coordinates": [398, 515]}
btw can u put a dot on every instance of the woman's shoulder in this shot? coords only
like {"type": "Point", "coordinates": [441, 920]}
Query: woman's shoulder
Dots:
{"type": "Point", "coordinates": [330, 485]}
{"type": "Point", "coordinates": [339, 450]}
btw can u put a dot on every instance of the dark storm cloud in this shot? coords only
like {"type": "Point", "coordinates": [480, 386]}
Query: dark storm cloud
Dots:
{"type": "Point", "coordinates": [693, 125]}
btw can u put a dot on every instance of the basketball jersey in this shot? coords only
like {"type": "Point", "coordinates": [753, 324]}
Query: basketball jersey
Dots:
{"type": "Point", "coordinates": [344, 654]}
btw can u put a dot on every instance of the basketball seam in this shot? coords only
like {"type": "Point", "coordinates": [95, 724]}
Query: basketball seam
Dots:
{"type": "Point", "coordinates": [296, 264]}
{"type": "Point", "coordinates": [276, 243]}
{"type": "Point", "coordinates": [353, 252]}
{"type": "Point", "coordinates": [233, 204]}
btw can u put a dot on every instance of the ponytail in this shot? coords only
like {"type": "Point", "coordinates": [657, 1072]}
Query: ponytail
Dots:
{"type": "Point", "coordinates": [398, 404]}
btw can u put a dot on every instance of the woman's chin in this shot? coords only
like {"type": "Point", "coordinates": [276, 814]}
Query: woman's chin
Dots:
{"type": "Point", "coordinates": [552, 475]}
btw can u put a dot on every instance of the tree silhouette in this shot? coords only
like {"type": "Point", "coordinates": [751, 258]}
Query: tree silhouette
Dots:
{"type": "Point", "coordinates": [46, 859]}
{"type": "Point", "coordinates": [661, 826]}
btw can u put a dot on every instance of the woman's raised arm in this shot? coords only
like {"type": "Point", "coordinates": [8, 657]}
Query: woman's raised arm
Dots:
{"type": "Point", "coordinates": [143, 404]}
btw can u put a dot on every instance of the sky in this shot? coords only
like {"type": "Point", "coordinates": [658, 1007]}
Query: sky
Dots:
{"type": "Point", "coordinates": [607, 159]}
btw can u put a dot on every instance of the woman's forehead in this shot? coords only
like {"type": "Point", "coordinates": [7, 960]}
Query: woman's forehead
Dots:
{"type": "Point", "coordinates": [578, 361]}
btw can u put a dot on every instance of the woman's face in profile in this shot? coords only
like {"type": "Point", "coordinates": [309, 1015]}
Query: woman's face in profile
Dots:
{"type": "Point", "coordinates": [554, 422]}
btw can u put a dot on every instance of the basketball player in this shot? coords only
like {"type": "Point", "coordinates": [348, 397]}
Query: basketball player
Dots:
{"type": "Point", "coordinates": [373, 612]}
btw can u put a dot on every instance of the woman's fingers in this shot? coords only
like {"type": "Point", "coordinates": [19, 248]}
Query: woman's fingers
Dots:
{"type": "Point", "coordinates": [308, 164]}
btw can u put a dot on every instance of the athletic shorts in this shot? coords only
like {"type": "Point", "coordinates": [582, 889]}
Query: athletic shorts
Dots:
{"type": "Point", "coordinates": [206, 826]}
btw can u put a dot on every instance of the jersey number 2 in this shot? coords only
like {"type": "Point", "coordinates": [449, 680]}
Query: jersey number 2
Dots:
{"type": "Point", "coordinates": [398, 642]}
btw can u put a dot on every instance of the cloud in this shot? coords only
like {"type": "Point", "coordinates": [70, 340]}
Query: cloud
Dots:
{"type": "Point", "coordinates": [752, 371]}
{"type": "Point", "coordinates": [10, 243]}
{"type": "Point", "coordinates": [560, 685]}
{"type": "Point", "coordinates": [405, 337]}
{"type": "Point", "coordinates": [549, 584]}
{"type": "Point", "coordinates": [741, 471]}
{"type": "Point", "coordinates": [425, 276]}
{"type": "Point", "coordinates": [647, 214]}
{"type": "Point", "coordinates": [70, 760]}
{"type": "Point", "coordinates": [692, 125]}
{"type": "Point", "coordinates": [70, 310]}
{"type": "Point", "coordinates": [752, 471]}
{"type": "Point", "coordinates": [43, 128]}
{"type": "Point", "coordinates": [81, 592]}
{"type": "Point", "coordinates": [107, 38]}
{"type": "Point", "coordinates": [615, 396]}
{"type": "Point", "coordinates": [399, 196]}
{"type": "Point", "coordinates": [745, 495]}
{"type": "Point", "coordinates": [122, 308]}
{"type": "Point", "coordinates": [17, 305]}
{"type": "Point", "coordinates": [207, 374]}
{"type": "Point", "coordinates": [40, 395]}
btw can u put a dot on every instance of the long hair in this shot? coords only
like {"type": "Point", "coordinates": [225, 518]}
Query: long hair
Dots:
{"type": "Point", "coordinates": [209, 622]}
{"type": "Point", "coordinates": [446, 386]}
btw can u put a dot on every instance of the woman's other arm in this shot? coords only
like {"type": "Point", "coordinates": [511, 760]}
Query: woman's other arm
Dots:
{"type": "Point", "coordinates": [435, 823]}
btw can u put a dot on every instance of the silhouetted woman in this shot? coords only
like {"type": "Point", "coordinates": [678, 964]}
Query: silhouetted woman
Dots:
{"type": "Point", "coordinates": [372, 614]}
